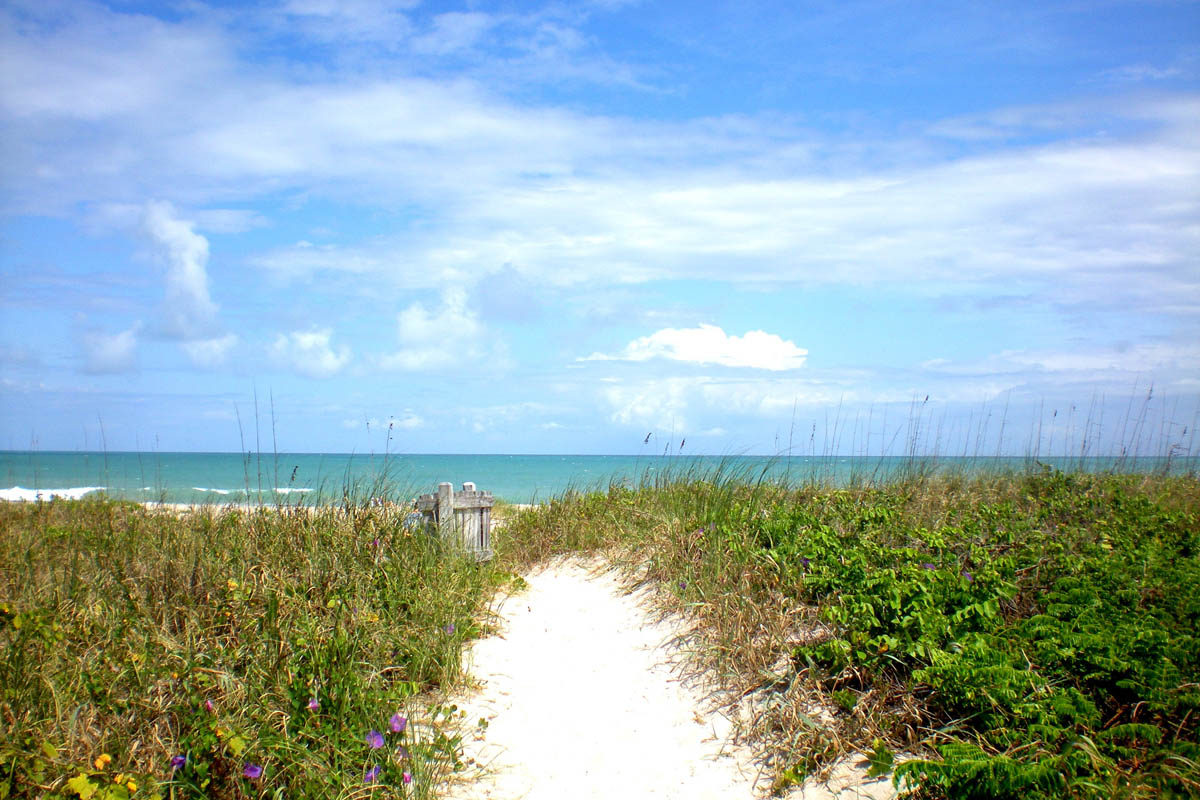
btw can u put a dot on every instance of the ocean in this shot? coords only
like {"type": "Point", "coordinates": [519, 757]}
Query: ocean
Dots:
{"type": "Point", "coordinates": [320, 478]}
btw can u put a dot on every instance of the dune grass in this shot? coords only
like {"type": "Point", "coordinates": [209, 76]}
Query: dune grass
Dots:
{"type": "Point", "coordinates": [1031, 634]}
{"type": "Point", "coordinates": [986, 635]}
{"type": "Point", "coordinates": [227, 653]}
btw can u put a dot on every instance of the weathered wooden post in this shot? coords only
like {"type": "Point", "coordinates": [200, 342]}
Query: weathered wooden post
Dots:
{"type": "Point", "coordinates": [463, 519]}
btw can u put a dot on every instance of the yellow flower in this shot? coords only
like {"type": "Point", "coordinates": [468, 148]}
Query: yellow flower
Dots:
{"type": "Point", "coordinates": [232, 584]}
{"type": "Point", "coordinates": [102, 761]}
{"type": "Point", "coordinates": [131, 785]}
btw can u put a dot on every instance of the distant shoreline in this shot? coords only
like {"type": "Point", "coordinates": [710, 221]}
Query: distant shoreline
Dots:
{"type": "Point", "coordinates": [318, 480]}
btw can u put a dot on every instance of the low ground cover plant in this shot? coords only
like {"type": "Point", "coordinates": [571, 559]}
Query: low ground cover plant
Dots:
{"type": "Point", "coordinates": [225, 654]}
{"type": "Point", "coordinates": [1028, 635]}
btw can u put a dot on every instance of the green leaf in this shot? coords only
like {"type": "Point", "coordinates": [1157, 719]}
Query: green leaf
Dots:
{"type": "Point", "coordinates": [82, 785]}
{"type": "Point", "coordinates": [236, 745]}
{"type": "Point", "coordinates": [881, 760]}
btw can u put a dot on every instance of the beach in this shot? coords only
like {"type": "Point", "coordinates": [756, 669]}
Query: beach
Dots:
{"type": "Point", "coordinates": [582, 693]}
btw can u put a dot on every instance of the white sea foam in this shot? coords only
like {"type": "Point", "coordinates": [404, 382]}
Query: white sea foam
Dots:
{"type": "Point", "coordinates": [287, 490]}
{"type": "Point", "coordinates": [214, 491]}
{"type": "Point", "coordinates": [73, 493]}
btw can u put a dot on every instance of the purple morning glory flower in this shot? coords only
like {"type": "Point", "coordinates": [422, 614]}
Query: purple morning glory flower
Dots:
{"type": "Point", "coordinates": [927, 565]}
{"type": "Point", "coordinates": [372, 775]}
{"type": "Point", "coordinates": [682, 585]}
{"type": "Point", "coordinates": [314, 704]}
{"type": "Point", "coordinates": [252, 771]}
{"type": "Point", "coordinates": [406, 777]}
{"type": "Point", "coordinates": [397, 723]}
{"type": "Point", "coordinates": [805, 560]}
{"type": "Point", "coordinates": [178, 762]}
{"type": "Point", "coordinates": [449, 628]}
{"type": "Point", "coordinates": [967, 575]}
{"type": "Point", "coordinates": [375, 740]}
{"type": "Point", "coordinates": [209, 707]}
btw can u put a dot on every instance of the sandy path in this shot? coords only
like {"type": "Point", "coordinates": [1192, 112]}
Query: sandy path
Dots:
{"type": "Point", "coordinates": [581, 702]}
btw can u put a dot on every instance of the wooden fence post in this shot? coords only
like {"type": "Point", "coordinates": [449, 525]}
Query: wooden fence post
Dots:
{"type": "Point", "coordinates": [462, 519]}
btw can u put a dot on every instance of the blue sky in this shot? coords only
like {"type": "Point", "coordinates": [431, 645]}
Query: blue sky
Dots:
{"type": "Point", "coordinates": [558, 228]}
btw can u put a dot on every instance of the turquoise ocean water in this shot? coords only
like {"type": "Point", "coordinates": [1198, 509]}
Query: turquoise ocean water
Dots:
{"type": "Point", "coordinates": [311, 478]}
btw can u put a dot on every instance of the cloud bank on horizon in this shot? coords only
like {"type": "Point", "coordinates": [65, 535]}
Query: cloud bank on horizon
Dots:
{"type": "Point", "coordinates": [553, 228]}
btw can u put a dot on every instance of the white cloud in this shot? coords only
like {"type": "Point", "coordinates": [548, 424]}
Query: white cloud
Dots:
{"type": "Point", "coordinates": [310, 353]}
{"type": "Point", "coordinates": [377, 258]}
{"type": "Point", "coordinates": [709, 344]}
{"type": "Point", "coordinates": [442, 337]}
{"type": "Point", "coordinates": [189, 310]}
{"type": "Point", "coordinates": [210, 352]}
{"type": "Point", "coordinates": [105, 353]}
{"type": "Point", "coordinates": [659, 404]}
{"type": "Point", "coordinates": [453, 31]}
{"type": "Point", "coordinates": [409, 421]}
{"type": "Point", "coordinates": [350, 20]}
{"type": "Point", "coordinates": [1138, 73]}
{"type": "Point", "coordinates": [706, 402]}
{"type": "Point", "coordinates": [1088, 201]}
{"type": "Point", "coordinates": [229, 220]}
{"type": "Point", "coordinates": [1169, 363]}
{"type": "Point", "coordinates": [1086, 219]}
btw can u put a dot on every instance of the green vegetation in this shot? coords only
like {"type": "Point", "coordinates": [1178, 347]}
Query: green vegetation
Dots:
{"type": "Point", "coordinates": [263, 653]}
{"type": "Point", "coordinates": [1009, 636]}
{"type": "Point", "coordinates": [1024, 635]}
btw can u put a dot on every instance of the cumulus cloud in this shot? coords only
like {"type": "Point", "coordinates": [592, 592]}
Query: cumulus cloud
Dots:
{"type": "Point", "coordinates": [189, 310]}
{"type": "Point", "coordinates": [444, 336]}
{"type": "Point", "coordinates": [310, 353]}
{"type": "Point", "coordinates": [709, 344]}
{"type": "Point", "coordinates": [189, 313]}
{"type": "Point", "coordinates": [110, 353]}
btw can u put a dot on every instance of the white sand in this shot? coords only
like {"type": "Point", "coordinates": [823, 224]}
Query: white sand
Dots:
{"type": "Point", "coordinates": [582, 702]}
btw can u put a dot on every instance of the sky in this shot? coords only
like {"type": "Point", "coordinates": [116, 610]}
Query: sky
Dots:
{"type": "Point", "coordinates": [862, 227]}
